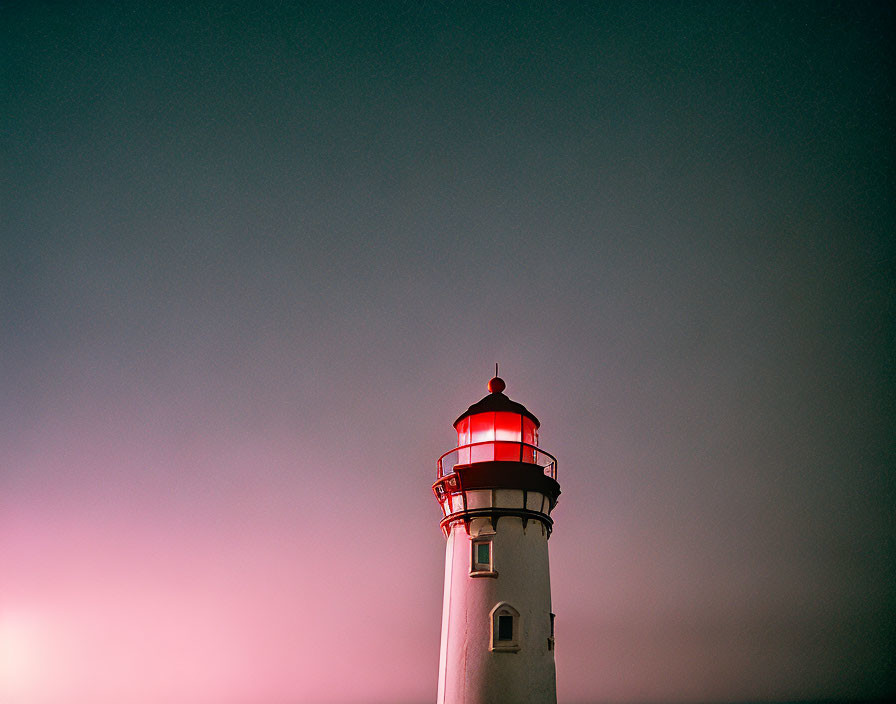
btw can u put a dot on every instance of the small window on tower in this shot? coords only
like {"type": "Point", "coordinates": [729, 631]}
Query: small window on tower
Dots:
{"type": "Point", "coordinates": [505, 628]}
{"type": "Point", "coordinates": [482, 564]}
{"type": "Point", "coordinates": [483, 553]}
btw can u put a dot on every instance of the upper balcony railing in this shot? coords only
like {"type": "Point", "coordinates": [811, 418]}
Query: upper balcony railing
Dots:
{"type": "Point", "coordinates": [500, 451]}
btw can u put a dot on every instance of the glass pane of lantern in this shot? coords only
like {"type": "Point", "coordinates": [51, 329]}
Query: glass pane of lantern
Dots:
{"type": "Point", "coordinates": [530, 433]}
{"type": "Point", "coordinates": [530, 437]}
{"type": "Point", "coordinates": [482, 427]}
{"type": "Point", "coordinates": [463, 432]}
{"type": "Point", "coordinates": [507, 426]}
{"type": "Point", "coordinates": [482, 453]}
{"type": "Point", "coordinates": [507, 451]}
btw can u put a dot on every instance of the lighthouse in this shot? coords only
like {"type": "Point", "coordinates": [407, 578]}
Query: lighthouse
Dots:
{"type": "Point", "coordinates": [497, 489]}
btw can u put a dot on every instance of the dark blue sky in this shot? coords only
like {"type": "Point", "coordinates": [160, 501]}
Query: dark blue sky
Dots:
{"type": "Point", "coordinates": [256, 258]}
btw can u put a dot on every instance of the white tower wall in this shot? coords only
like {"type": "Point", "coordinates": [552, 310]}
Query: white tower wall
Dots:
{"type": "Point", "coordinates": [471, 670]}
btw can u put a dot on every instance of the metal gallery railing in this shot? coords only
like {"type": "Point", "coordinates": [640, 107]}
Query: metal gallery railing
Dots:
{"type": "Point", "coordinates": [497, 450]}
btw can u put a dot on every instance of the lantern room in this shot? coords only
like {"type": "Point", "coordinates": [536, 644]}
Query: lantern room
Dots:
{"type": "Point", "coordinates": [496, 435]}
{"type": "Point", "coordinates": [496, 468]}
{"type": "Point", "coordinates": [496, 429]}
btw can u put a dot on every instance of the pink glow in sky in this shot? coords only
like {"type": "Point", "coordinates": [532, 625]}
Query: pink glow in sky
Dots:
{"type": "Point", "coordinates": [242, 589]}
{"type": "Point", "coordinates": [255, 259]}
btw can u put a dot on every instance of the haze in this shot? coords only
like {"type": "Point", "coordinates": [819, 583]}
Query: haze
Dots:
{"type": "Point", "coordinates": [256, 258]}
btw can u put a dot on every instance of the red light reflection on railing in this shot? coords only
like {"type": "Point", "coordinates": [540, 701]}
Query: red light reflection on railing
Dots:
{"type": "Point", "coordinates": [497, 451]}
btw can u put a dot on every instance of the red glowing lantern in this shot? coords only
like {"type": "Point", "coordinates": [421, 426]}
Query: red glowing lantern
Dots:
{"type": "Point", "coordinates": [497, 448]}
{"type": "Point", "coordinates": [497, 429]}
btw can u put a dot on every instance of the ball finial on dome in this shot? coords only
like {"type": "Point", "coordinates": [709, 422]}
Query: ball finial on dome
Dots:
{"type": "Point", "coordinates": [496, 385]}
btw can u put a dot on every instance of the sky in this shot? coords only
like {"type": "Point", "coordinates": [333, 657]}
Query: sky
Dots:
{"type": "Point", "coordinates": [257, 257]}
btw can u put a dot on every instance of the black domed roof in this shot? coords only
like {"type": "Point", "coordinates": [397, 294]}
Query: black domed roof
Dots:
{"type": "Point", "coordinates": [497, 402]}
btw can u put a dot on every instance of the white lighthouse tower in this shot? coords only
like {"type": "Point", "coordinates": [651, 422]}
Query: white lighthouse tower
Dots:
{"type": "Point", "coordinates": [496, 490]}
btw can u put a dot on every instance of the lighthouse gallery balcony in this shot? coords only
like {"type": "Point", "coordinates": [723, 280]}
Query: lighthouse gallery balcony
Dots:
{"type": "Point", "coordinates": [497, 451]}
{"type": "Point", "coordinates": [497, 468]}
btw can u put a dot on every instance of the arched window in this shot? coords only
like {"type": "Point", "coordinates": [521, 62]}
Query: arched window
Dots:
{"type": "Point", "coordinates": [505, 628]}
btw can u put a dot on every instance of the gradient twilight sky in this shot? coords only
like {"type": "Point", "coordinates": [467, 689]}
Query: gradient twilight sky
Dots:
{"type": "Point", "coordinates": [256, 258]}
